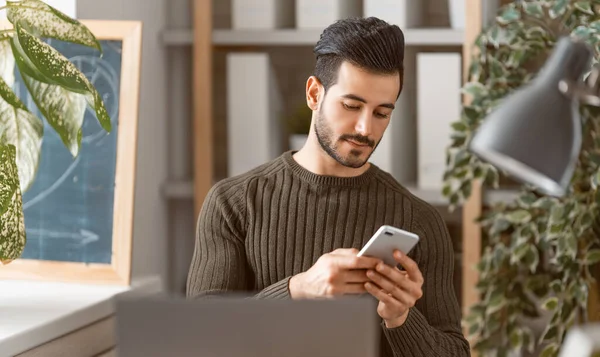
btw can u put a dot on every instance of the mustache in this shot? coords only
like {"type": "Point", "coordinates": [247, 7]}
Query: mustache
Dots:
{"type": "Point", "coordinates": [358, 138]}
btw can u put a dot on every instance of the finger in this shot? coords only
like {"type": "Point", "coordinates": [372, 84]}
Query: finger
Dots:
{"type": "Point", "coordinates": [393, 274]}
{"type": "Point", "coordinates": [354, 276]}
{"type": "Point", "coordinates": [346, 251]}
{"type": "Point", "coordinates": [355, 288]}
{"type": "Point", "coordinates": [402, 301]}
{"type": "Point", "coordinates": [383, 282]}
{"type": "Point", "coordinates": [354, 262]}
{"type": "Point", "coordinates": [381, 295]}
{"type": "Point", "coordinates": [405, 290]}
{"type": "Point", "coordinates": [409, 265]}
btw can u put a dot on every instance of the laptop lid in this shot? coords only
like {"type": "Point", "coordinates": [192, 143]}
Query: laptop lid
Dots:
{"type": "Point", "coordinates": [233, 326]}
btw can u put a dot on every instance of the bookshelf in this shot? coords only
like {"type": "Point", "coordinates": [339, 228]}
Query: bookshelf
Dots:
{"type": "Point", "coordinates": [292, 37]}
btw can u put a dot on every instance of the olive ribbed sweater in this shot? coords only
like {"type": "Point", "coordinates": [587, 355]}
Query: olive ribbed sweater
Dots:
{"type": "Point", "coordinates": [258, 229]}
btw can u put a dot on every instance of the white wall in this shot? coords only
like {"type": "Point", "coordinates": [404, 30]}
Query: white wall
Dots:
{"type": "Point", "coordinates": [150, 218]}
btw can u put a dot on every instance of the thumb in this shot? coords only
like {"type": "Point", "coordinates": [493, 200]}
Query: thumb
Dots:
{"type": "Point", "coordinates": [346, 251]}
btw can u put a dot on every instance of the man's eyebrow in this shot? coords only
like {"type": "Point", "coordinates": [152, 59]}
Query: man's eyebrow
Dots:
{"type": "Point", "coordinates": [360, 99]}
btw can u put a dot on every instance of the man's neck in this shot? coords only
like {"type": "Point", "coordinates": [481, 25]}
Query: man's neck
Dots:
{"type": "Point", "coordinates": [314, 159]}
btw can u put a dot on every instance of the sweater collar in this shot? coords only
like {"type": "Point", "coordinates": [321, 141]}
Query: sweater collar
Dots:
{"type": "Point", "coordinates": [327, 180]}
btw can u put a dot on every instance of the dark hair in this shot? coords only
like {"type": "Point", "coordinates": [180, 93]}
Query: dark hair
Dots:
{"type": "Point", "coordinates": [368, 43]}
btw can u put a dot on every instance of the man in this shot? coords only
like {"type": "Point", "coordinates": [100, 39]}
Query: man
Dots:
{"type": "Point", "coordinates": [291, 228]}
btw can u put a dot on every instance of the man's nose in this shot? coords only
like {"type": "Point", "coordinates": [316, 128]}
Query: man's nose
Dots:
{"type": "Point", "coordinates": [363, 126]}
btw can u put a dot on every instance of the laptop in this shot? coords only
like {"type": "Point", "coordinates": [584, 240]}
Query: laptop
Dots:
{"type": "Point", "coordinates": [237, 326]}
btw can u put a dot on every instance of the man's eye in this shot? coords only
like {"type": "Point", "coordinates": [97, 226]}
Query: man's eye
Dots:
{"type": "Point", "coordinates": [350, 107]}
{"type": "Point", "coordinates": [382, 115]}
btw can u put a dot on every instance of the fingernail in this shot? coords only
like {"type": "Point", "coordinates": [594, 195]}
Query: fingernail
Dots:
{"type": "Point", "coordinates": [399, 253]}
{"type": "Point", "coordinates": [380, 266]}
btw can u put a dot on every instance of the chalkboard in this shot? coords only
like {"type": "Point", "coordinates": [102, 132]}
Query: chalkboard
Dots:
{"type": "Point", "coordinates": [79, 211]}
{"type": "Point", "coordinates": [69, 207]}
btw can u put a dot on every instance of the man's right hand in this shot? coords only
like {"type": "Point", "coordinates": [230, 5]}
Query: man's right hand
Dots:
{"type": "Point", "coordinates": [337, 273]}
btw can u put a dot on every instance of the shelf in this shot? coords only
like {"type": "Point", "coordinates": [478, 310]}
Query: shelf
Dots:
{"type": "Point", "coordinates": [292, 37]}
{"type": "Point", "coordinates": [184, 190]}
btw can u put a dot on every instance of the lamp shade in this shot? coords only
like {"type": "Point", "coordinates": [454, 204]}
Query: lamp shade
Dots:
{"type": "Point", "coordinates": [534, 135]}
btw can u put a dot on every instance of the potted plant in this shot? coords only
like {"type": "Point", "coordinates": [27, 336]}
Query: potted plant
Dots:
{"type": "Point", "coordinates": [298, 126]}
{"type": "Point", "coordinates": [59, 90]}
{"type": "Point", "coordinates": [539, 252]}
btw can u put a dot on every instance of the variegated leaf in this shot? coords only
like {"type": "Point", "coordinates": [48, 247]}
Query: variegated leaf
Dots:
{"type": "Point", "coordinates": [23, 130]}
{"type": "Point", "coordinates": [7, 61]}
{"type": "Point", "coordinates": [64, 110]}
{"type": "Point", "coordinates": [50, 63]}
{"type": "Point", "coordinates": [53, 65]}
{"type": "Point", "coordinates": [46, 21]}
{"type": "Point", "coordinates": [12, 222]}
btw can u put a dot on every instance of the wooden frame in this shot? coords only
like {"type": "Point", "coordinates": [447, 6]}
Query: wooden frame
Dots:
{"type": "Point", "coordinates": [202, 89]}
{"type": "Point", "coordinates": [119, 271]}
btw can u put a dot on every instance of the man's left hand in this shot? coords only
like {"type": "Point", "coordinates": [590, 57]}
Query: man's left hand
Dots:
{"type": "Point", "coordinates": [396, 290]}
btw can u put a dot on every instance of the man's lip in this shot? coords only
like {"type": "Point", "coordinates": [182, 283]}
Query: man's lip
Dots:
{"type": "Point", "coordinates": [357, 144]}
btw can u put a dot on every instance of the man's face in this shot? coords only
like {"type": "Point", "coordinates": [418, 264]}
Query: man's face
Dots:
{"type": "Point", "coordinates": [354, 114]}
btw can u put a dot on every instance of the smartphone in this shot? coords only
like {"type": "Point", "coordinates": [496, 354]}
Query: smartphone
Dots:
{"type": "Point", "coordinates": [387, 239]}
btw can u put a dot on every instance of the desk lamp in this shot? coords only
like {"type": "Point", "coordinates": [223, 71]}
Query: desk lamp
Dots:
{"type": "Point", "coordinates": [535, 134]}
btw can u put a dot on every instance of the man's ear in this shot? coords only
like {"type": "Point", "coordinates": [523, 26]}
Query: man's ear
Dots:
{"type": "Point", "coordinates": [313, 92]}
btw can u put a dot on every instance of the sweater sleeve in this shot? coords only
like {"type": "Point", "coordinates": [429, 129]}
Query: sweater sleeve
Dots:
{"type": "Point", "coordinates": [219, 265]}
{"type": "Point", "coordinates": [433, 325]}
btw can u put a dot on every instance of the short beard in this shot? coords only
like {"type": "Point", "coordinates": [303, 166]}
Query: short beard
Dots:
{"type": "Point", "coordinates": [325, 137]}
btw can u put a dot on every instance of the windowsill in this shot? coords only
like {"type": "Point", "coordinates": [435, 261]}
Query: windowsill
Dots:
{"type": "Point", "coordinates": [33, 313]}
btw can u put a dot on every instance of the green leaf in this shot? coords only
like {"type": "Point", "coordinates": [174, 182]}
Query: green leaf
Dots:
{"type": "Point", "coordinates": [50, 63]}
{"type": "Point", "coordinates": [528, 339]}
{"type": "Point", "coordinates": [532, 258]}
{"type": "Point", "coordinates": [497, 70]}
{"type": "Point", "coordinates": [46, 21]}
{"type": "Point", "coordinates": [466, 188]}
{"type": "Point", "coordinates": [592, 257]}
{"type": "Point", "coordinates": [64, 110]}
{"type": "Point", "coordinates": [496, 301]}
{"type": "Point", "coordinates": [446, 190]}
{"type": "Point", "coordinates": [492, 177]}
{"type": "Point", "coordinates": [550, 350]}
{"type": "Point", "coordinates": [12, 224]}
{"type": "Point", "coordinates": [59, 89]}
{"type": "Point", "coordinates": [519, 216]}
{"type": "Point", "coordinates": [23, 130]}
{"type": "Point", "coordinates": [518, 253]}
{"type": "Point", "coordinates": [584, 33]}
{"type": "Point", "coordinates": [62, 72]}
{"type": "Point", "coordinates": [557, 286]}
{"type": "Point", "coordinates": [535, 32]}
{"type": "Point", "coordinates": [474, 329]}
{"type": "Point", "coordinates": [558, 9]}
{"type": "Point", "coordinates": [516, 58]}
{"type": "Point", "coordinates": [584, 6]}
{"type": "Point", "coordinates": [527, 199]}
{"type": "Point", "coordinates": [550, 304]}
{"type": "Point", "coordinates": [534, 9]}
{"type": "Point", "coordinates": [471, 115]}
{"type": "Point", "coordinates": [475, 89]}
{"type": "Point", "coordinates": [595, 25]}
{"type": "Point", "coordinates": [550, 332]}
{"type": "Point", "coordinates": [494, 36]}
{"type": "Point", "coordinates": [516, 338]}
{"type": "Point", "coordinates": [459, 126]}
{"type": "Point", "coordinates": [509, 15]}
